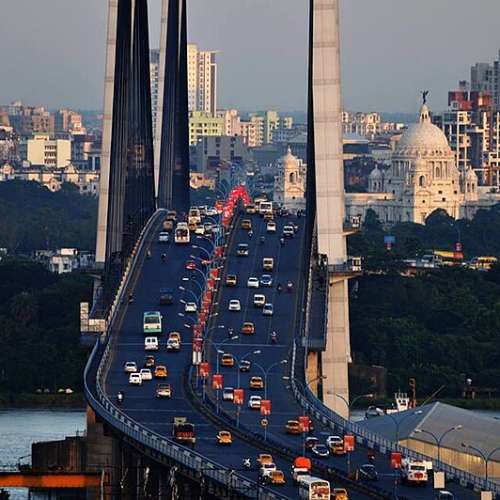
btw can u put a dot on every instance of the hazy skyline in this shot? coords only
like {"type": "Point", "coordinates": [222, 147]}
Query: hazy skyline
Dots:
{"type": "Point", "coordinates": [391, 49]}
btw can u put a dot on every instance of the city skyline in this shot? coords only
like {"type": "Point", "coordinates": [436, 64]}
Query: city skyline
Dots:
{"type": "Point", "coordinates": [375, 81]}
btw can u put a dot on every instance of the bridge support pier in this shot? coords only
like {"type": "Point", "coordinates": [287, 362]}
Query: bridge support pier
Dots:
{"type": "Point", "coordinates": [336, 358]}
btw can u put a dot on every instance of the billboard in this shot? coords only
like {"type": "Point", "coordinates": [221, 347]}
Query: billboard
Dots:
{"type": "Point", "coordinates": [349, 444]}
{"type": "Point", "coordinates": [239, 396]}
{"type": "Point", "coordinates": [217, 381]}
{"type": "Point", "coordinates": [265, 407]}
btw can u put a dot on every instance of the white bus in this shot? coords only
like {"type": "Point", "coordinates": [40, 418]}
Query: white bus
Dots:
{"type": "Point", "coordinates": [265, 207]}
{"type": "Point", "coordinates": [182, 234]}
{"type": "Point", "coordinates": [152, 322]}
{"type": "Point", "coordinates": [313, 488]}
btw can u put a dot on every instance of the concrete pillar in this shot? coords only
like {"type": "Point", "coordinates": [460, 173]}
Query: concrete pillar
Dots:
{"type": "Point", "coordinates": [109, 80]}
{"type": "Point", "coordinates": [312, 371]}
{"type": "Point", "coordinates": [330, 207]}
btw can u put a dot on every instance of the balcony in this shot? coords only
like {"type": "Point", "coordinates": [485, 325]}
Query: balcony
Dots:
{"type": "Point", "coordinates": [352, 225]}
{"type": "Point", "coordinates": [350, 269]}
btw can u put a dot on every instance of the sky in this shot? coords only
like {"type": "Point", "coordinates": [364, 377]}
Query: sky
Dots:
{"type": "Point", "coordinates": [53, 50]}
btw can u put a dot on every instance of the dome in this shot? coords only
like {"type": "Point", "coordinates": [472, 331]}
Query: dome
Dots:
{"type": "Point", "coordinates": [375, 174]}
{"type": "Point", "coordinates": [423, 137]}
{"type": "Point", "coordinates": [470, 175]}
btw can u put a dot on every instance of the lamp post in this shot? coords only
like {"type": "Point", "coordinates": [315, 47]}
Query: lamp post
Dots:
{"type": "Point", "coordinates": [401, 420]}
{"type": "Point", "coordinates": [351, 404]}
{"type": "Point", "coordinates": [439, 439]}
{"type": "Point", "coordinates": [485, 457]}
{"type": "Point", "coordinates": [185, 290]}
{"type": "Point", "coordinates": [186, 279]}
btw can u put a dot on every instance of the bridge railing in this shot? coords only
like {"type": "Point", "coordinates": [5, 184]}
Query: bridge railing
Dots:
{"type": "Point", "coordinates": [313, 406]}
{"type": "Point", "coordinates": [96, 396]}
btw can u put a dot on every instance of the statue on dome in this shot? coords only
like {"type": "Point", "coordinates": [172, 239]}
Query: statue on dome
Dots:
{"type": "Point", "coordinates": [425, 93]}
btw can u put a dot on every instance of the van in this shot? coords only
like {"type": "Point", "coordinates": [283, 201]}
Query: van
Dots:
{"type": "Point", "coordinates": [151, 344]}
{"type": "Point", "coordinates": [242, 249]}
{"type": "Point", "coordinates": [268, 263]}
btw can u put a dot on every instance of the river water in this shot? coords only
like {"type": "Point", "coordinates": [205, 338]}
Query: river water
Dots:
{"type": "Point", "coordinates": [20, 428]}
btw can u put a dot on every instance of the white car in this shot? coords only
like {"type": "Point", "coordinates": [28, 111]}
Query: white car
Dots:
{"type": "Point", "coordinates": [266, 469]}
{"type": "Point", "coordinates": [334, 440]}
{"type": "Point", "coordinates": [151, 344]}
{"type": "Point", "coordinates": [254, 402]}
{"type": "Point", "coordinates": [173, 345]}
{"type": "Point", "coordinates": [163, 237]}
{"type": "Point", "coordinates": [266, 280]}
{"type": "Point", "coordinates": [228, 394]}
{"type": "Point", "coordinates": [135, 379]}
{"type": "Point", "coordinates": [259, 300]}
{"type": "Point", "coordinates": [190, 307]}
{"type": "Point", "coordinates": [288, 232]}
{"type": "Point", "coordinates": [271, 227]}
{"type": "Point", "coordinates": [130, 367]}
{"type": "Point", "coordinates": [146, 374]}
{"type": "Point", "coordinates": [253, 282]}
{"type": "Point", "coordinates": [199, 230]}
{"type": "Point", "coordinates": [234, 305]}
{"type": "Point", "coordinates": [268, 310]}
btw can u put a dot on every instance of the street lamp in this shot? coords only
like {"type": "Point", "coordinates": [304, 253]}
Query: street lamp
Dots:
{"type": "Point", "coordinates": [196, 247]}
{"type": "Point", "coordinates": [192, 280]}
{"type": "Point", "coordinates": [439, 439]}
{"type": "Point", "coordinates": [485, 457]}
{"type": "Point", "coordinates": [351, 404]}
{"type": "Point", "coordinates": [196, 297]}
{"type": "Point", "coordinates": [401, 420]}
{"type": "Point", "coordinates": [266, 372]}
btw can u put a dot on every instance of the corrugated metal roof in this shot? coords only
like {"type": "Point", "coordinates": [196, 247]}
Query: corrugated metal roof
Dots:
{"type": "Point", "coordinates": [482, 432]}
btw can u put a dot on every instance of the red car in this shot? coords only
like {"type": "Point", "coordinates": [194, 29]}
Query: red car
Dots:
{"type": "Point", "coordinates": [190, 264]}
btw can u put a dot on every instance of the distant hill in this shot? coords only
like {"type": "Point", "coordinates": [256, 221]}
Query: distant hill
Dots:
{"type": "Point", "coordinates": [34, 218]}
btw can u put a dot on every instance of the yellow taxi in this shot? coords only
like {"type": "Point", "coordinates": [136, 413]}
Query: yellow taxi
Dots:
{"type": "Point", "coordinates": [293, 427]}
{"type": "Point", "coordinates": [161, 371]}
{"type": "Point", "coordinates": [246, 224]}
{"type": "Point", "coordinates": [256, 383]}
{"type": "Point", "coordinates": [227, 360]}
{"type": "Point", "coordinates": [224, 437]}
{"type": "Point", "coordinates": [276, 477]}
{"type": "Point", "coordinates": [175, 336]}
{"type": "Point", "coordinates": [264, 458]}
{"type": "Point", "coordinates": [248, 328]}
{"type": "Point", "coordinates": [340, 494]}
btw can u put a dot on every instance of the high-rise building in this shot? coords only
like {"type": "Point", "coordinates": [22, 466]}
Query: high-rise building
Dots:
{"type": "Point", "coordinates": [485, 77]}
{"type": "Point", "coordinates": [154, 67]}
{"type": "Point", "coordinates": [206, 82]}
{"type": "Point", "coordinates": [41, 150]}
{"type": "Point", "coordinates": [202, 124]}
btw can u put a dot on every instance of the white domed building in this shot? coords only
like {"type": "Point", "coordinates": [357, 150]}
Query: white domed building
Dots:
{"type": "Point", "coordinates": [423, 177]}
{"type": "Point", "coordinates": [289, 182]}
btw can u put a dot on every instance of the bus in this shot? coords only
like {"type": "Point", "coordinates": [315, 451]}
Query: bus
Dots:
{"type": "Point", "coordinates": [152, 322]}
{"type": "Point", "coordinates": [448, 258]}
{"type": "Point", "coordinates": [182, 234]}
{"type": "Point", "coordinates": [194, 216]}
{"type": "Point", "coordinates": [265, 207]}
{"type": "Point", "coordinates": [313, 488]}
{"type": "Point", "coordinates": [483, 263]}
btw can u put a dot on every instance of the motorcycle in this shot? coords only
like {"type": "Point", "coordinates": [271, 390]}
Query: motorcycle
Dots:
{"type": "Point", "coordinates": [247, 463]}
{"type": "Point", "coordinates": [279, 288]}
{"type": "Point", "coordinates": [119, 397]}
{"type": "Point", "coordinates": [262, 240]}
{"type": "Point", "coordinates": [289, 286]}
{"type": "Point", "coordinates": [130, 298]}
{"type": "Point", "coordinates": [163, 257]}
{"type": "Point", "coordinates": [274, 337]}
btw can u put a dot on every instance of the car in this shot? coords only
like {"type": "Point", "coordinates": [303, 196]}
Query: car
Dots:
{"type": "Point", "coordinates": [228, 394]}
{"type": "Point", "coordinates": [444, 495]}
{"type": "Point", "coordinates": [293, 427]}
{"type": "Point", "coordinates": [340, 494]}
{"type": "Point", "coordinates": [190, 265]}
{"type": "Point", "coordinates": [268, 216]}
{"type": "Point", "coordinates": [267, 263]}
{"type": "Point", "coordinates": [271, 226]}
{"type": "Point", "coordinates": [173, 345]}
{"type": "Point", "coordinates": [164, 391]}
{"type": "Point", "coordinates": [256, 383]}
{"type": "Point", "coordinates": [161, 371]}
{"type": "Point", "coordinates": [266, 280]}
{"type": "Point", "coordinates": [250, 209]}
{"type": "Point", "coordinates": [254, 402]}
{"type": "Point", "coordinates": [151, 344]}
{"type": "Point", "coordinates": [166, 296]}
{"type": "Point", "coordinates": [368, 472]}
{"type": "Point", "coordinates": [130, 367]}
{"type": "Point", "coordinates": [268, 310]}
{"type": "Point", "coordinates": [149, 362]}
{"type": "Point", "coordinates": [245, 365]}
{"type": "Point", "coordinates": [259, 300]}
{"type": "Point", "coordinates": [275, 477]}
{"type": "Point", "coordinates": [320, 450]}
{"type": "Point", "coordinates": [135, 379]}
{"type": "Point", "coordinates": [266, 469]}
{"type": "Point", "coordinates": [163, 237]}
{"type": "Point", "coordinates": [224, 438]}
{"type": "Point", "coordinates": [146, 374]}
{"type": "Point", "coordinates": [246, 224]}
{"type": "Point", "coordinates": [311, 442]}
{"type": "Point", "coordinates": [199, 230]}
{"type": "Point", "coordinates": [288, 232]}
{"type": "Point", "coordinates": [190, 307]}
{"type": "Point", "coordinates": [234, 305]}
{"type": "Point", "coordinates": [263, 458]}
{"type": "Point", "coordinates": [175, 336]}
{"type": "Point", "coordinates": [242, 250]}
{"type": "Point", "coordinates": [231, 280]}
{"type": "Point", "coordinates": [248, 328]}
{"type": "Point", "coordinates": [227, 360]}
{"type": "Point", "coordinates": [253, 282]}
{"type": "Point", "coordinates": [335, 445]}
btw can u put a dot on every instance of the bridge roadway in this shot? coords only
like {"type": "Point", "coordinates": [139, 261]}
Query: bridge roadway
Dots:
{"type": "Point", "coordinates": [287, 262]}
{"type": "Point", "coordinates": [140, 402]}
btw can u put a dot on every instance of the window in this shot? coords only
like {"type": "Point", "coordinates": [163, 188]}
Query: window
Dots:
{"type": "Point", "coordinates": [440, 192]}
{"type": "Point", "coordinates": [421, 181]}
{"type": "Point", "coordinates": [443, 199]}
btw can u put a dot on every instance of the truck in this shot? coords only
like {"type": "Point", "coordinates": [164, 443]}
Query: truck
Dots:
{"type": "Point", "coordinates": [413, 472]}
{"type": "Point", "coordinates": [301, 467]}
{"type": "Point", "coordinates": [183, 431]}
